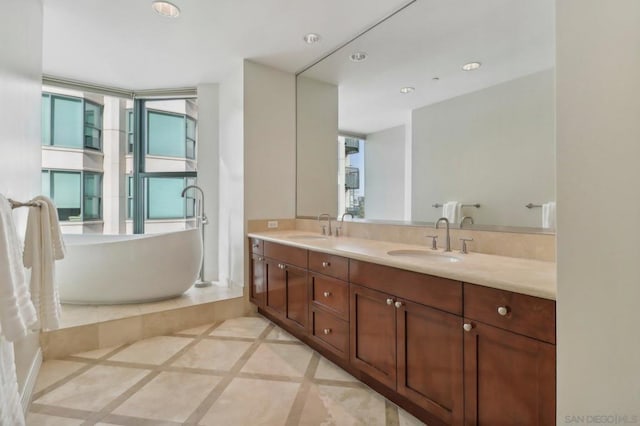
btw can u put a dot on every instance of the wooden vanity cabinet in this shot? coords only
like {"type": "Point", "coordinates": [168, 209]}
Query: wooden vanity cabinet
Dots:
{"type": "Point", "coordinates": [414, 349]}
{"type": "Point", "coordinates": [451, 353]}
{"type": "Point", "coordinates": [329, 295]}
{"type": "Point", "coordinates": [509, 358]}
{"type": "Point", "coordinates": [287, 294]}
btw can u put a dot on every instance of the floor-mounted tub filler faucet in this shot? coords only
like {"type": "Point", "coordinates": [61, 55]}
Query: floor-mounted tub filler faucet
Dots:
{"type": "Point", "coordinates": [446, 221]}
{"type": "Point", "coordinates": [324, 227]}
{"type": "Point", "coordinates": [339, 227]}
{"type": "Point", "coordinates": [202, 221]}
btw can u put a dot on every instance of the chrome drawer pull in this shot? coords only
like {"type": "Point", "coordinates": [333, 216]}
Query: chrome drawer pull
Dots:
{"type": "Point", "coordinates": [467, 327]}
{"type": "Point", "coordinates": [389, 301]}
{"type": "Point", "coordinates": [326, 294]}
{"type": "Point", "coordinates": [326, 331]}
{"type": "Point", "coordinates": [326, 264]}
{"type": "Point", "coordinates": [503, 310]}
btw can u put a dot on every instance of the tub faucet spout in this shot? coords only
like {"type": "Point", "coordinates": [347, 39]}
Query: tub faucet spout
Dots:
{"type": "Point", "coordinates": [202, 220]}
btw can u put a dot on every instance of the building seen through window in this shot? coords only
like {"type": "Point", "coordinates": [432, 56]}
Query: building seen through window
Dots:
{"type": "Point", "coordinates": [88, 162]}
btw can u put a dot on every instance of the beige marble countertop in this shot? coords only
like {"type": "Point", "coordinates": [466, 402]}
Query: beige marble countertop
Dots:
{"type": "Point", "coordinates": [531, 277]}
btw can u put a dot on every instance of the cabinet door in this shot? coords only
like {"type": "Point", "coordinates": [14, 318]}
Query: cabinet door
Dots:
{"type": "Point", "coordinates": [430, 360]}
{"type": "Point", "coordinates": [276, 287]}
{"type": "Point", "coordinates": [258, 280]}
{"type": "Point", "coordinates": [373, 334]}
{"type": "Point", "coordinates": [297, 296]}
{"type": "Point", "coordinates": [509, 378]}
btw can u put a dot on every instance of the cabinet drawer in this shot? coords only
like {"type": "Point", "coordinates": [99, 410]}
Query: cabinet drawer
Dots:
{"type": "Point", "coordinates": [331, 330]}
{"type": "Point", "coordinates": [257, 246]}
{"type": "Point", "coordinates": [287, 254]}
{"type": "Point", "coordinates": [440, 293]}
{"type": "Point", "coordinates": [331, 293]}
{"type": "Point", "coordinates": [520, 313]}
{"type": "Point", "coordinates": [329, 264]}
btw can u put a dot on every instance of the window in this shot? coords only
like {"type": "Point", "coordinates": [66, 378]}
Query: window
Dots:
{"type": "Point", "coordinates": [78, 195]}
{"type": "Point", "coordinates": [92, 196]}
{"type": "Point", "coordinates": [71, 122]}
{"type": "Point", "coordinates": [129, 197]}
{"type": "Point", "coordinates": [129, 131]}
{"type": "Point", "coordinates": [171, 135]}
{"type": "Point", "coordinates": [164, 199]}
{"type": "Point", "coordinates": [92, 125]}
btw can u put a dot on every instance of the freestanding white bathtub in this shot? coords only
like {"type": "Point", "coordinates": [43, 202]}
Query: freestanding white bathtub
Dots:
{"type": "Point", "coordinates": [115, 269]}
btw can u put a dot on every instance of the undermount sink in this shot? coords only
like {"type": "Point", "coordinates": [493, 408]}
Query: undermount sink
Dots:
{"type": "Point", "coordinates": [431, 255]}
{"type": "Point", "coordinates": [307, 237]}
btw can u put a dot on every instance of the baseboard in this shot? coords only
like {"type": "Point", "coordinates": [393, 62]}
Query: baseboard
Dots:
{"type": "Point", "coordinates": [30, 383]}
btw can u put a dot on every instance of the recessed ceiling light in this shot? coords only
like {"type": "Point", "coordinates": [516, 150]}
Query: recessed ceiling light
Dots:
{"type": "Point", "coordinates": [471, 66]}
{"type": "Point", "coordinates": [358, 56]}
{"type": "Point", "coordinates": [311, 38]}
{"type": "Point", "coordinates": [407, 89]}
{"type": "Point", "coordinates": [436, 78]}
{"type": "Point", "coordinates": [166, 9]}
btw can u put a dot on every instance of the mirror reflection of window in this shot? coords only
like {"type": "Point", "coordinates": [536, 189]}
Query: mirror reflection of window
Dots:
{"type": "Point", "coordinates": [351, 197]}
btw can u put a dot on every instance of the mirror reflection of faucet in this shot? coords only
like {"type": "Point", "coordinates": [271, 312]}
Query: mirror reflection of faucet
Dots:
{"type": "Point", "coordinates": [324, 227]}
{"type": "Point", "coordinates": [467, 219]}
{"type": "Point", "coordinates": [339, 227]}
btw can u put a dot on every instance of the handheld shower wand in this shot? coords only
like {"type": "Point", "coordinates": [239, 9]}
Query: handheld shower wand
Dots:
{"type": "Point", "coordinates": [202, 220]}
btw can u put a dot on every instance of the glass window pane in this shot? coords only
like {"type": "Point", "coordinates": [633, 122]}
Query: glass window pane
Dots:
{"type": "Point", "coordinates": [66, 194]}
{"type": "Point", "coordinates": [164, 199]}
{"type": "Point", "coordinates": [46, 120]}
{"type": "Point", "coordinates": [92, 138]}
{"type": "Point", "coordinates": [129, 197]}
{"type": "Point", "coordinates": [130, 131]}
{"type": "Point", "coordinates": [190, 201]}
{"type": "Point", "coordinates": [92, 196]}
{"type": "Point", "coordinates": [191, 149]}
{"type": "Point", "coordinates": [67, 122]}
{"type": "Point", "coordinates": [93, 115]}
{"type": "Point", "coordinates": [166, 135]}
{"type": "Point", "coordinates": [191, 128]}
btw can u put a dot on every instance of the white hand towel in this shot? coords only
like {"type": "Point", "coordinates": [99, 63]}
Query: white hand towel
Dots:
{"type": "Point", "coordinates": [40, 255]}
{"type": "Point", "coordinates": [17, 313]}
{"type": "Point", "coordinates": [57, 242]}
{"type": "Point", "coordinates": [451, 210]}
{"type": "Point", "coordinates": [549, 215]}
{"type": "Point", "coordinates": [11, 412]}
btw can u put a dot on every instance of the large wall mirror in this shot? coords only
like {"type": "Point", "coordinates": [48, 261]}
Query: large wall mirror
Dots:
{"type": "Point", "coordinates": [446, 100]}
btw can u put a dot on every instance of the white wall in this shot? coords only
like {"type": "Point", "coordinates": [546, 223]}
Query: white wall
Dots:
{"type": "Point", "coordinates": [20, 87]}
{"type": "Point", "coordinates": [495, 147]}
{"type": "Point", "coordinates": [317, 159]}
{"type": "Point", "coordinates": [598, 152]}
{"type": "Point", "coordinates": [208, 169]}
{"type": "Point", "coordinates": [269, 142]}
{"type": "Point", "coordinates": [231, 184]}
{"type": "Point", "coordinates": [384, 171]}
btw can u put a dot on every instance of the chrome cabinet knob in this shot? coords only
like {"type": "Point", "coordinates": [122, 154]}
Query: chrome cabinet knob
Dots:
{"type": "Point", "coordinates": [389, 301]}
{"type": "Point", "coordinates": [399, 304]}
{"type": "Point", "coordinates": [260, 259]}
{"type": "Point", "coordinates": [326, 331]}
{"type": "Point", "coordinates": [467, 327]}
{"type": "Point", "coordinates": [326, 294]}
{"type": "Point", "coordinates": [326, 264]}
{"type": "Point", "coordinates": [281, 266]}
{"type": "Point", "coordinates": [256, 246]}
{"type": "Point", "coordinates": [503, 310]}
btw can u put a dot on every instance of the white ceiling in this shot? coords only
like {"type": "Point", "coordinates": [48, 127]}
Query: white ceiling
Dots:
{"type": "Point", "coordinates": [123, 43]}
{"type": "Point", "coordinates": [434, 38]}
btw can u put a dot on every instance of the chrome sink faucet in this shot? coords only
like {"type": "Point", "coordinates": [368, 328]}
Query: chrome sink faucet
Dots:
{"type": "Point", "coordinates": [339, 227]}
{"type": "Point", "coordinates": [324, 227]}
{"type": "Point", "coordinates": [446, 221]}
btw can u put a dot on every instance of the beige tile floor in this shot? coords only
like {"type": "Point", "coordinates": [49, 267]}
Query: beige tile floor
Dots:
{"type": "Point", "coordinates": [243, 371]}
{"type": "Point", "coordinates": [75, 315]}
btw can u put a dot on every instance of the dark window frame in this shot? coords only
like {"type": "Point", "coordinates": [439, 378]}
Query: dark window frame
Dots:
{"type": "Point", "coordinates": [83, 196]}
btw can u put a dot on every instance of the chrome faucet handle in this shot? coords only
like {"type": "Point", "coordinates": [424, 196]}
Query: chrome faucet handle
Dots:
{"type": "Point", "coordinates": [338, 230]}
{"type": "Point", "coordinates": [434, 242]}
{"type": "Point", "coordinates": [464, 245]}
{"type": "Point", "coordinates": [324, 229]}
